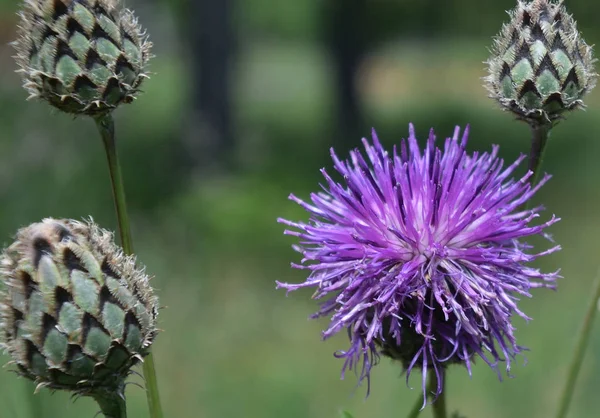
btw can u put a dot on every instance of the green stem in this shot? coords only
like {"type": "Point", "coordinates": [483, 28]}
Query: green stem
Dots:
{"type": "Point", "coordinates": [106, 127]}
{"type": "Point", "coordinates": [582, 342]}
{"type": "Point", "coordinates": [112, 405]}
{"type": "Point", "coordinates": [439, 405]}
{"type": "Point", "coordinates": [539, 140]}
{"type": "Point", "coordinates": [36, 400]}
{"type": "Point", "coordinates": [152, 387]}
{"type": "Point", "coordinates": [417, 408]}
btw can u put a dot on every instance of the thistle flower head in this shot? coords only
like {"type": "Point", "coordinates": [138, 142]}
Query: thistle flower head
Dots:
{"type": "Point", "coordinates": [82, 56]}
{"type": "Point", "coordinates": [540, 66]}
{"type": "Point", "coordinates": [75, 313]}
{"type": "Point", "coordinates": [419, 255]}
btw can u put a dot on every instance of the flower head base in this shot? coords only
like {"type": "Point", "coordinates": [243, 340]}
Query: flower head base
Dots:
{"type": "Point", "coordinates": [75, 313]}
{"type": "Point", "coordinates": [419, 254]}
{"type": "Point", "coordinates": [540, 66]}
{"type": "Point", "coordinates": [82, 56]}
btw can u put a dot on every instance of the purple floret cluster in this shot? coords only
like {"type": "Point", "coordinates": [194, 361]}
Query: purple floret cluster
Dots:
{"type": "Point", "coordinates": [419, 254]}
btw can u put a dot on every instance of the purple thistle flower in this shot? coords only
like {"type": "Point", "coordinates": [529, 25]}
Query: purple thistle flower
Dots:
{"type": "Point", "coordinates": [419, 256]}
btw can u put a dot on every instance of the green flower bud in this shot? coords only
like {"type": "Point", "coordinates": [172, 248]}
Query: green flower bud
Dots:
{"type": "Point", "coordinates": [540, 66]}
{"type": "Point", "coordinates": [82, 56]}
{"type": "Point", "coordinates": [75, 312]}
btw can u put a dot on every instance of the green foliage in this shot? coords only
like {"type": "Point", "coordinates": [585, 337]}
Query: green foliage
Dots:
{"type": "Point", "coordinates": [283, 20]}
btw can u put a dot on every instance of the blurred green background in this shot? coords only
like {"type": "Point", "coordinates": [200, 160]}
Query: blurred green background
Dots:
{"type": "Point", "coordinates": [245, 101]}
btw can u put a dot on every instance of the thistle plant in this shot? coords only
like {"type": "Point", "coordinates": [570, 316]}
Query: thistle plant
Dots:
{"type": "Point", "coordinates": [76, 313]}
{"type": "Point", "coordinates": [81, 56]}
{"type": "Point", "coordinates": [86, 57]}
{"type": "Point", "coordinates": [540, 68]}
{"type": "Point", "coordinates": [418, 254]}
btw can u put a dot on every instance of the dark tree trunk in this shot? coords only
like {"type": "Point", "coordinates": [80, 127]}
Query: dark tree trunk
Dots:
{"type": "Point", "coordinates": [347, 42]}
{"type": "Point", "coordinates": [211, 36]}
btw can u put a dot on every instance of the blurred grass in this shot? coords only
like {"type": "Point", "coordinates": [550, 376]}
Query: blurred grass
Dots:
{"type": "Point", "coordinates": [233, 346]}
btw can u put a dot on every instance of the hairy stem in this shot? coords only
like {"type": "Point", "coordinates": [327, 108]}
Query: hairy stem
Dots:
{"type": "Point", "coordinates": [582, 341]}
{"type": "Point", "coordinates": [106, 127]}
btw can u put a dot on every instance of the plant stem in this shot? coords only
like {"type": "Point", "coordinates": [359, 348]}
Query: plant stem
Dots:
{"type": "Point", "coordinates": [539, 139]}
{"type": "Point", "coordinates": [106, 126]}
{"type": "Point", "coordinates": [439, 405]}
{"type": "Point", "coordinates": [152, 387]}
{"type": "Point", "coordinates": [582, 342]}
{"type": "Point", "coordinates": [416, 410]}
{"type": "Point", "coordinates": [112, 405]}
{"type": "Point", "coordinates": [36, 401]}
